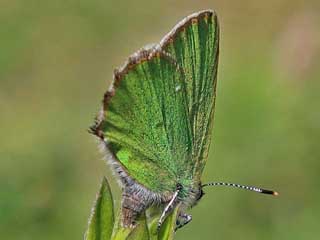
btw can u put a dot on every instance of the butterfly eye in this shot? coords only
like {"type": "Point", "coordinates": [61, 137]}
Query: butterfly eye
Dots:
{"type": "Point", "coordinates": [201, 194]}
{"type": "Point", "coordinates": [179, 187]}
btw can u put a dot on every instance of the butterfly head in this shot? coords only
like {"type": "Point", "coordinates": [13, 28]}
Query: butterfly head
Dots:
{"type": "Point", "coordinates": [190, 194]}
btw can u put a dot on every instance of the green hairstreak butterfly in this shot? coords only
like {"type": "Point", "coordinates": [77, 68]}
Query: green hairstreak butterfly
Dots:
{"type": "Point", "coordinates": [156, 121]}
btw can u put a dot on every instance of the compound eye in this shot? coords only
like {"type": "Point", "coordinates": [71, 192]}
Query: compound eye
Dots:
{"type": "Point", "coordinates": [200, 195]}
{"type": "Point", "coordinates": [179, 187]}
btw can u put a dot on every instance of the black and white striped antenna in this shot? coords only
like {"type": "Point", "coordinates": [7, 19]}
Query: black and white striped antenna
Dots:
{"type": "Point", "coordinates": [250, 188]}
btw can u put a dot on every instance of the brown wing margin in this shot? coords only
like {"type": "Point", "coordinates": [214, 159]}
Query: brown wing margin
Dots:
{"type": "Point", "coordinates": [170, 36]}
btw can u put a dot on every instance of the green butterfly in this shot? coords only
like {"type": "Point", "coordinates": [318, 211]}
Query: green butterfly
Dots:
{"type": "Point", "coordinates": [157, 119]}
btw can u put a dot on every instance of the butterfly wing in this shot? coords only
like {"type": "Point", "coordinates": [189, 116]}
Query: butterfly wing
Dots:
{"type": "Point", "coordinates": [194, 43]}
{"type": "Point", "coordinates": [145, 120]}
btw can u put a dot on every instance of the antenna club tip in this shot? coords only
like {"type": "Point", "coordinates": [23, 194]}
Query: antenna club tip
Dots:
{"type": "Point", "coordinates": [275, 193]}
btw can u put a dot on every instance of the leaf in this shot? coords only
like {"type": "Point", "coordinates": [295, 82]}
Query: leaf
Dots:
{"type": "Point", "coordinates": [153, 215]}
{"type": "Point", "coordinates": [167, 229]}
{"type": "Point", "coordinates": [146, 228]}
{"type": "Point", "coordinates": [101, 221]}
{"type": "Point", "coordinates": [121, 233]}
{"type": "Point", "coordinates": [103, 226]}
{"type": "Point", "coordinates": [139, 232]}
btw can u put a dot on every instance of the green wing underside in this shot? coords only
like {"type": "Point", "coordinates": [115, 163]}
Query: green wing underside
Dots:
{"type": "Point", "coordinates": [159, 117]}
{"type": "Point", "coordinates": [196, 49]}
{"type": "Point", "coordinates": [147, 123]}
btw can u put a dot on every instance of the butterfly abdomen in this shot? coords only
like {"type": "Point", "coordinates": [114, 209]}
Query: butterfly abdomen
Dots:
{"type": "Point", "coordinates": [132, 206]}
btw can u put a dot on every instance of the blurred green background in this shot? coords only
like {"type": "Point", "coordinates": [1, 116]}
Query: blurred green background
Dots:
{"type": "Point", "coordinates": [56, 61]}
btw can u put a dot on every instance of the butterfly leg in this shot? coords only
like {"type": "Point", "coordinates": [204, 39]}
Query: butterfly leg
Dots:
{"type": "Point", "coordinates": [167, 209]}
{"type": "Point", "coordinates": [182, 220]}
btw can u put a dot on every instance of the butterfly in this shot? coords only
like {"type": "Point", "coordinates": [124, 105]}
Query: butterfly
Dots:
{"type": "Point", "coordinates": [157, 117]}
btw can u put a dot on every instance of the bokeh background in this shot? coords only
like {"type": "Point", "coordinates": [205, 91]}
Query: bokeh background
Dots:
{"type": "Point", "coordinates": [56, 61]}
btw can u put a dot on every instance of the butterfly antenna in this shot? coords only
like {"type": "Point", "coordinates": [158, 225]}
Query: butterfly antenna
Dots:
{"type": "Point", "coordinates": [250, 188]}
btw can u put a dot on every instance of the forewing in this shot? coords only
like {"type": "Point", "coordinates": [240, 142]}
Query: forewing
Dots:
{"type": "Point", "coordinates": [146, 120]}
{"type": "Point", "coordinates": [194, 43]}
